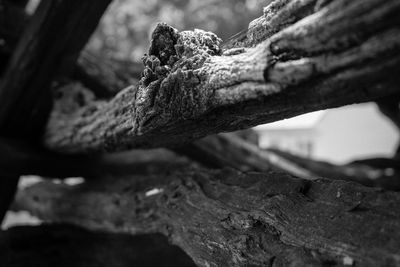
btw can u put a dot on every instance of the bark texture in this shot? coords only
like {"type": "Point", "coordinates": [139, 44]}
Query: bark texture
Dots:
{"type": "Point", "coordinates": [329, 54]}
{"type": "Point", "coordinates": [228, 218]}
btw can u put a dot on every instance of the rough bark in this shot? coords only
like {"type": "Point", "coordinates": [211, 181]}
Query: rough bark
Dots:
{"type": "Point", "coordinates": [66, 245]}
{"type": "Point", "coordinates": [227, 218]}
{"type": "Point", "coordinates": [341, 53]}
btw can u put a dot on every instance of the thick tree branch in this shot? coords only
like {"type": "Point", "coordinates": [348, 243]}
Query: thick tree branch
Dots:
{"type": "Point", "coordinates": [343, 53]}
{"type": "Point", "coordinates": [227, 218]}
{"type": "Point", "coordinates": [48, 47]}
{"type": "Point", "coordinates": [21, 158]}
{"type": "Point", "coordinates": [229, 150]}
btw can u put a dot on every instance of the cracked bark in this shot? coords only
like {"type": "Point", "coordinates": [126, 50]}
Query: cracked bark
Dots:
{"type": "Point", "coordinates": [330, 54]}
{"type": "Point", "coordinates": [228, 218]}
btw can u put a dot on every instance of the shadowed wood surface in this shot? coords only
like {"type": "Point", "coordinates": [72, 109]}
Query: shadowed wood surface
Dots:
{"type": "Point", "coordinates": [228, 218]}
{"type": "Point", "coordinates": [49, 46]}
{"type": "Point", "coordinates": [66, 245]}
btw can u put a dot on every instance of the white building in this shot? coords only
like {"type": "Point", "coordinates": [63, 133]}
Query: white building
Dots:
{"type": "Point", "coordinates": [336, 135]}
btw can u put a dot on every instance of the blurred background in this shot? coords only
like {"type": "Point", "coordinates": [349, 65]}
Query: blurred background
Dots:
{"type": "Point", "coordinates": [338, 135]}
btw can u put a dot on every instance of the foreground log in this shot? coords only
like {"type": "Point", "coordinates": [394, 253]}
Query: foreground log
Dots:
{"type": "Point", "coordinates": [336, 54]}
{"type": "Point", "coordinates": [66, 245]}
{"type": "Point", "coordinates": [228, 218]}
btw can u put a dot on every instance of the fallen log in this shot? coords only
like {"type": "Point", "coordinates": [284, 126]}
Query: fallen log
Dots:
{"type": "Point", "coordinates": [228, 218]}
{"type": "Point", "coordinates": [336, 54]}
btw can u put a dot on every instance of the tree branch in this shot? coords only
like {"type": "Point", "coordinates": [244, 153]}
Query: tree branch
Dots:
{"type": "Point", "coordinates": [21, 158]}
{"type": "Point", "coordinates": [48, 47]}
{"type": "Point", "coordinates": [340, 54]}
{"type": "Point", "coordinates": [227, 218]}
{"type": "Point", "coordinates": [229, 150]}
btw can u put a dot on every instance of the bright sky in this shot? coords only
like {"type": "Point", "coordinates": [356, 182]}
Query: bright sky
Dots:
{"type": "Point", "coordinates": [303, 121]}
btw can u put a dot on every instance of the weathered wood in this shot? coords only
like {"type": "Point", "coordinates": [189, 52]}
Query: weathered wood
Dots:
{"type": "Point", "coordinates": [343, 53]}
{"type": "Point", "coordinates": [386, 176]}
{"type": "Point", "coordinates": [227, 218]}
{"type": "Point", "coordinates": [226, 150]}
{"type": "Point", "coordinates": [67, 245]}
{"type": "Point", "coordinates": [49, 46]}
{"type": "Point", "coordinates": [229, 150]}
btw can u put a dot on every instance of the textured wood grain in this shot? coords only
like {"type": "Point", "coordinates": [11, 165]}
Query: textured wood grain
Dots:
{"type": "Point", "coordinates": [332, 54]}
{"type": "Point", "coordinates": [228, 218]}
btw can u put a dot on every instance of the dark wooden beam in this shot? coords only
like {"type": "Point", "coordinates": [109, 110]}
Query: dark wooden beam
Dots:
{"type": "Point", "coordinates": [48, 47]}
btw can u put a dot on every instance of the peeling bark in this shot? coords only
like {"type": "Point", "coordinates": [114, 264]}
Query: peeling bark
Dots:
{"type": "Point", "coordinates": [227, 218]}
{"type": "Point", "coordinates": [331, 54]}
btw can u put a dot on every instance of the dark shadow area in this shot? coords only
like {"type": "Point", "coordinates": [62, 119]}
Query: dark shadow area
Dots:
{"type": "Point", "coordinates": [66, 245]}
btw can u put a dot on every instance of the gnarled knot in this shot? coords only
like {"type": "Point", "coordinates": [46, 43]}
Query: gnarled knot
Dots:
{"type": "Point", "coordinates": [169, 87]}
